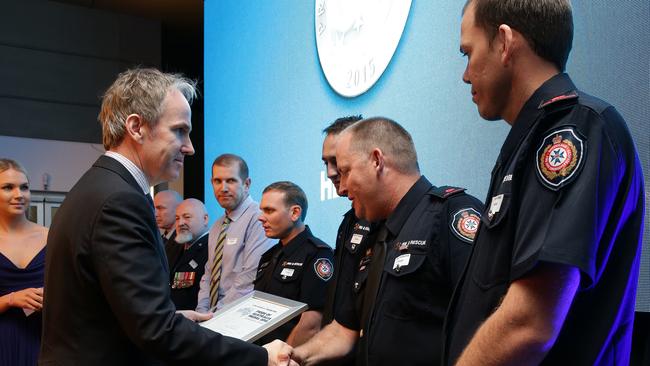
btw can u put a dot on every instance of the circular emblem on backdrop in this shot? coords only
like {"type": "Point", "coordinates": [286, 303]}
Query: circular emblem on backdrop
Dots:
{"type": "Point", "coordinates": [559, 157]}
{"type": "Point", "coordinates": [323, 268]}
{"type": "Point", "coordinates": [465, 223]}
{"type": "Point", "coordinates": [356, 40]}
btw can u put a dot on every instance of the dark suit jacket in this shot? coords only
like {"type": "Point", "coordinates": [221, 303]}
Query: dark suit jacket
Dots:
{"type": "Point", "coordinates": [106, 284]}
{"type": "Point", "coordinates": [186, 272]}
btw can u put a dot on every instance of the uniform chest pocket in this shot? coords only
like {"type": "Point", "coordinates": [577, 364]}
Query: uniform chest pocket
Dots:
{"type": "Point", "coordinates": [497, 210]}
{"type": "Point", "coordinates": [493, 248]}
{"type": "Point", "coordinates": [407, 288]}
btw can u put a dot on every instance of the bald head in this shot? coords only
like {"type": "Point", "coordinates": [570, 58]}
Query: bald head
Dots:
{"type": "Point", "coordinates": [191, 220]}
{"type": "Point", "coordinates": [165, 203]}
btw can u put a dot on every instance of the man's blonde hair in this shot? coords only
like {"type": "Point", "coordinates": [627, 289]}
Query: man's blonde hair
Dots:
{"type": "Point", "coordinates": [138, 91]}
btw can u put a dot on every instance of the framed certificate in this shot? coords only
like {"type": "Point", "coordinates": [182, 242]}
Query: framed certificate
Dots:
{"type": "Point", "coordinates": [253, 316]}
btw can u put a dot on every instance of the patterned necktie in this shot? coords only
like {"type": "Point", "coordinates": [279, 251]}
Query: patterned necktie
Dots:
{"type": "Point", "coordinates": [215, 276]}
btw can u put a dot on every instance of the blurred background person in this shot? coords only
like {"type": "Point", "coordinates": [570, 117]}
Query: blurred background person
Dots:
{"type": "Point", "coordinates": [22, 260]}
{"type": "Point", "coordinates": [165, 203]}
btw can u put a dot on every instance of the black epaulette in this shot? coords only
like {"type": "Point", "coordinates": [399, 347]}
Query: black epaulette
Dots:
{"type": "Point", "coordinates": [445, 192]}
{"type": "Point", "coordinates": [319, 243]}
{"type": "Point", "coordinates": [559, 100]}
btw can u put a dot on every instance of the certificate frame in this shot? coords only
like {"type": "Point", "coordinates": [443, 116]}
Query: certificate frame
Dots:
{"type": "Point", "coordinates": [253, 316]}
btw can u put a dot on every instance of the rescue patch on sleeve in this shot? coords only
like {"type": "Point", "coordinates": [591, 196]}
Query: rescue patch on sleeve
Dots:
{"type": "Point", "coordinates": [464, 224]}
{"type": "Point", "coordinates": [323, 268]}
{"type": "Point", "coordinates": [559, 157]}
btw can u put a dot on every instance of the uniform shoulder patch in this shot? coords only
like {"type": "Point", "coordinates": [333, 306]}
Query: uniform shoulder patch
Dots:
{"type": "Point", "coordinates": [464, 224]}
{"type": "Point", "coordinates": [446, 191]}
{"type": "Point", "coordinates": [559, 157]}
{"type": "Point", "coordinates": [323, 268]}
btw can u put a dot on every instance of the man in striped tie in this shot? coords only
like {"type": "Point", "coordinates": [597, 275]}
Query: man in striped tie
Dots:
{"type": "Point", "coordinates": [237, 239]}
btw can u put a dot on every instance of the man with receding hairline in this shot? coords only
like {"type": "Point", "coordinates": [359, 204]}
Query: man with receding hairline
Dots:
{"type": "Point", "coordinates": [237, 239]}
{"type": "Point", "coordinates": [553, 275]}
{"type": "Point", "coordinates": [405, 277]}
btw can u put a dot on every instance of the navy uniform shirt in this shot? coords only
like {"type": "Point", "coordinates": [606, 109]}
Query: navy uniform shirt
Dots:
{"type": "Point", "coordinates": [426, 242]}
{"type": "Point", "coordinates": [351, 244]}
{"type": "Point", "coordinates": [567, 188]}
{"type": "Point", "coordinates": [297, 271]}
{"type": "Point", "coordinates": [186, 273]}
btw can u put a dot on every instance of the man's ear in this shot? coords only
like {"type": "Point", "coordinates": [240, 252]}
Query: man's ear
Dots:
{"type": "Point", "coordinates": [378, 160]}
{"type": "Point", "coordinates": [135, 128]}
{"type": "Point", "coordinates": [506, 40]}
{"type": "Point", "coordinates": [296, 212]}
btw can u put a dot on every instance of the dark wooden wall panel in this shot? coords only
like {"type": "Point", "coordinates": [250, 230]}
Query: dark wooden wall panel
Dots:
{"type": "Point", "coordinates": [55, 77]}
{"type": "Point", "coordinates": [52, 121]}
{"type": "Point", "coordinates": [56, 60]}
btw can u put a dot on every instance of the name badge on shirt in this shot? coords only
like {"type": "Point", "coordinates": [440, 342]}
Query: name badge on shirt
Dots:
{"type": "Point", "coordinates": [193, 264]}
{"type": "Point", "coordinates": [287, 272]}
{"type": "Point", "coordinates": [356, 239]}
{"type": "Point", "coordinates": [495, 205]}
{"type": "Point", "coordinates": [231, 241]}
{"type": "Point", "coordinates": [402, 261]}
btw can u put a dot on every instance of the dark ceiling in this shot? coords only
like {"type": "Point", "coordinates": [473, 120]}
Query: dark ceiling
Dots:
{"type": "Point", "coordinates": [183, 15]}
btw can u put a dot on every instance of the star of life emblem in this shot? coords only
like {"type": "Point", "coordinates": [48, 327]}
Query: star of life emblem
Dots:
{"type": "Point", "coordinates": [559, 157]}
{"type": "Point", "coordinates": [465, 223]}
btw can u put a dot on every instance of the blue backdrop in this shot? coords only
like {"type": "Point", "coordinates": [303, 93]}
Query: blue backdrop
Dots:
{"type": "Point", "coordinates": [267, 99]}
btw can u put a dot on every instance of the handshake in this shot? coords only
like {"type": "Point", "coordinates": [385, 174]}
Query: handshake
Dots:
{"type": "Point", "coordinates": [281, 354]}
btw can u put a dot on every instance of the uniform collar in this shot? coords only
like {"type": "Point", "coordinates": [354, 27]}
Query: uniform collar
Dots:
{"type": "Point", "coordinates": [411, 199]}
{"type": "Point", "coordinates": [297, 242]}
{"type": "Point", "coordinates": [527, 117]}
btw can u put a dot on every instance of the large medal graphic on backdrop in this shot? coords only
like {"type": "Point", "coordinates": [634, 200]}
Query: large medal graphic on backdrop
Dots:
{"type": "Point", "coordinates": [356, 40]}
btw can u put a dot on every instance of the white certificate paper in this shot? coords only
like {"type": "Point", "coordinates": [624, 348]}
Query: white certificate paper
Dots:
{"type": "Point", "coordinates": [254, 316]}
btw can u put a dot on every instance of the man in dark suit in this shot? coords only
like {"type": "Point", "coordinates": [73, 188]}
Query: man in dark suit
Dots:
{"type": "Point", "coordinates": [107, 297]}
{"type": "Point", "coordinates": [192, 239]}
{"type": "Point", "coordinates": [165, 203]}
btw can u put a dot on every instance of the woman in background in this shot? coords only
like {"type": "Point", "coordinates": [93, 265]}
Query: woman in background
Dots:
{"type": "Point", "coordinates": [22, 261]}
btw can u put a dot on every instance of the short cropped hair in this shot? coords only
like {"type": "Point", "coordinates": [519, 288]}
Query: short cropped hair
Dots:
{"type": "Point", "coordinates": [390, 137]}
{"type": "Point", "coordinates": [341, 124]}
{"type": "Point", "coordinates": [6, 164]}
{"type": "Point", "coordinates": [231, 159]}
{"type": "Point", "coordinates": [293, 195]}
{"type": "Point", "coordinates": [547, 25]}
{"type": "Point", "coordinates": [138, 91]}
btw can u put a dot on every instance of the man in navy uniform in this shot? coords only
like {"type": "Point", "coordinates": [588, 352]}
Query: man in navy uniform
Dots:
{"type": "Point", "coordinates": [352, 233]}
{"type": "Point", "coordinates": [405, 277]}
{"type": "Point", "coordinates": [553, 275]}
{"type": "Point", "coordinates": [298, 266]}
